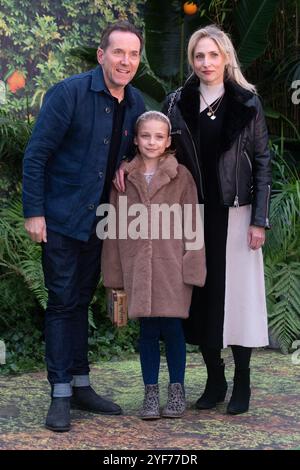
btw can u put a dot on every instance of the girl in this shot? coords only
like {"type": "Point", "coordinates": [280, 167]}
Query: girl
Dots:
{"type": "Point", "coordinates": [157, 271]}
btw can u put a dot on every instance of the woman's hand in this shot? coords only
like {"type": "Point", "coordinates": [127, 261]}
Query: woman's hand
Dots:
{"type": "Point", "coordinates": [256, 237]}
{"type": "Point", "coordinates": [119, 179]}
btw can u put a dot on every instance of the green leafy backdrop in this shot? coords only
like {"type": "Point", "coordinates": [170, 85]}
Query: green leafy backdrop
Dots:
{"type": "Point", "coordinates": [40, 39]}
{"type": "Point", "coordinates": [36, 36]}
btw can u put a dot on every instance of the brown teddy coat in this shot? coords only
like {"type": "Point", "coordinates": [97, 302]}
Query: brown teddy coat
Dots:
{"type": "Point", "coordinates": [157, 274]}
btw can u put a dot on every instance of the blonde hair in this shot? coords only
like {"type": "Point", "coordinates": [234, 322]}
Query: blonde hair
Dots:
{"type": "Point", "coordinates": [232, 68]}
{"type": "Point", "coordinates": [152, 115]}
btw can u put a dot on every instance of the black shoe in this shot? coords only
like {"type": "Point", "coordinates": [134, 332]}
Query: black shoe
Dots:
{"type": "Point", "coordinates": [239, 401]}
{"type": "Point", "coordinates": [215, 389]}
{"type": "Point", "coordinates": [85, 398]}
{"type": "Point", "coordinates": [58, 417]}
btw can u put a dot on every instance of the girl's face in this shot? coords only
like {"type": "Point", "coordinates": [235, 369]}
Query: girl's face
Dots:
{"type": "Point", "coordinates": [152, 138]}
{"type": "Point", "coordinates": [209, 63]}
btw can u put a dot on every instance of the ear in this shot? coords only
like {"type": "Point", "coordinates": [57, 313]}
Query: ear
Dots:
{"type": "Point", "coordinates": [169, 141]}
{"type": "Point", "coordinates": [134, 141]}
{"type": "Point", "coordinates": [100, 55]}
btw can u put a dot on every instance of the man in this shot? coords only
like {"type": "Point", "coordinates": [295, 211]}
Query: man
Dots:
{"type": "Point", "coordinates": [84, 129]}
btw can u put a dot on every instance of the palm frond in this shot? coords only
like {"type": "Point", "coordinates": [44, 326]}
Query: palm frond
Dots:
{"type": "Point", "coordinates": [284, 307]}
{"type": "Point", "coordinates": [18, 254]}
{"type": "Point", "coordinates": [284, 213]}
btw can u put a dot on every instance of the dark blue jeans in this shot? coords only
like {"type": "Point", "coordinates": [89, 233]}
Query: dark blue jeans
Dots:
{"type": "Point", "coordinates": [71, 270]}
{"type": "Point", "coordinates": [171, 331]}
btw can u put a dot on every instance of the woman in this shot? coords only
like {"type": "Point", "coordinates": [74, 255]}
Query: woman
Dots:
{"type": "Point", "coordinates": [220, 134]}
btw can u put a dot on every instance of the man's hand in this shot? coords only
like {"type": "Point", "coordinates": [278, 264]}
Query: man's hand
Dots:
{"type": "Point", "coordinates": [119, 180]}
{"type": "Point", "coordinates": [36, 229]}
{"type": "Point", "coordinates": [256, 237]}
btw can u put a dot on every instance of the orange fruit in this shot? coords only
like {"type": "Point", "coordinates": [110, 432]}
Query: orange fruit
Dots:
{"type": "Point", "coordinates": [190, 8]}
{"type": "Point", "coordinates": [16, 81]}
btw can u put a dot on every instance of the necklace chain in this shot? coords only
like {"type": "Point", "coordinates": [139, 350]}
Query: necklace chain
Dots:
{"type": "Point", "coordinates": [213, 109]}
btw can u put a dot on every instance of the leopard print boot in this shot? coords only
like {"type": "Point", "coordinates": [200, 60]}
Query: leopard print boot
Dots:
{"type": "Point", "coordinates": [150, 408]}
{"type": "Point", "coordinates": [176, 401]}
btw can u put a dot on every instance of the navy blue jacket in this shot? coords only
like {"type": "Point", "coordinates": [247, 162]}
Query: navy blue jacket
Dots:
{"type": "Point", "coordinates": [65, 160]}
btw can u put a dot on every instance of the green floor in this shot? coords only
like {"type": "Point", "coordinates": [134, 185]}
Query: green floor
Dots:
{"type": "Point", "coordinates": [273, 421]}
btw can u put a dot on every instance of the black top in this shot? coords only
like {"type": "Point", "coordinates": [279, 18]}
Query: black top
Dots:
{"type": "Point", "coordinates": [115, 141]}
{"type": "Point", "coordinates": [210, 133]}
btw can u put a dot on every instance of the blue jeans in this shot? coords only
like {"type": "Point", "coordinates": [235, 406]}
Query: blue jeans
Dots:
{"type": "Point", "coordinates": [71, 270]}
{"type": "Point", "coordinates": [171, 331]}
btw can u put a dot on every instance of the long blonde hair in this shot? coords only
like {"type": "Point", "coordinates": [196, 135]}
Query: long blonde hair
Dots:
{"type": "Point", "coordinates": [224, 43]}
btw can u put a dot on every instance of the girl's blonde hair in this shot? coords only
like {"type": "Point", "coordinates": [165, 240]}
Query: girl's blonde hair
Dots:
{"type": "Point", "coordinates": [223, 41]}
{"type": "Point", "coordinates": [152, 115]}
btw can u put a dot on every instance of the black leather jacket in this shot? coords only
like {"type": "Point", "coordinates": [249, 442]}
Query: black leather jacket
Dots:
{"type": "Point", "coordinates": [244, 163]}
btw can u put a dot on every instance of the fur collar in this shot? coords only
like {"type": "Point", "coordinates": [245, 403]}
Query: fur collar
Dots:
{"type": "Point", "coordinates": [168, 164]}
{"type": "Point", "coordinates": [166, 171]}
{"type": "Point", "coordinates": [237, 116]}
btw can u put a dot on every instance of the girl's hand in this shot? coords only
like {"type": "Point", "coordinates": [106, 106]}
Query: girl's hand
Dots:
{"type": "Point", "coordinates": [119, 180]}
{"type": "Point", "coordinates": [256, 237]}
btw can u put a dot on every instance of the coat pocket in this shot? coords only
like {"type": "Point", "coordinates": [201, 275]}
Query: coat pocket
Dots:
{"type": "Point", "coordinates": [62, 198]}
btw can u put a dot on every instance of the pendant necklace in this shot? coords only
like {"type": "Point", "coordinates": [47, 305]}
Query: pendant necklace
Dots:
{"type": "Point", "coordinates": [211, 113]}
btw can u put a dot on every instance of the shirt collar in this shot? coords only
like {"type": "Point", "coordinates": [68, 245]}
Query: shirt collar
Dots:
{"type": "Point", "coordinates": [98, 84]}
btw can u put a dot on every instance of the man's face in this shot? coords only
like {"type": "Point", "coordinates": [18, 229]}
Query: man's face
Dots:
{"type": "Point", "coordinates": [120, 60]}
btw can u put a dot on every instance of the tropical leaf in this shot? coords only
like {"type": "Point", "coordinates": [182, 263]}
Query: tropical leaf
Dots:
{"type": "Point", "coordinates": [32, 272]}
{"type": "Point", "coordinates": [284, 315]}
{"type": "Point", "coordinates": [20, 256]}
{"type": "Point", "coordinates": [149, 84]}
{"type": "Point", "coordinates": [252, 21]}
{"type": "Point", "coordinates": [150, 103]}
{"type": "Point", "coordinates": [288, 69]}
{"type": "Point", "coordinates": [163, 23]}
{"type": "Point", "coordinates": [282, 255]}
{"type": "Point", "coordinates": [17, 252]}
{"type": "Point", "coordinates": [284, 238]}
{"type": "Point", "coordinates": [271, 113]}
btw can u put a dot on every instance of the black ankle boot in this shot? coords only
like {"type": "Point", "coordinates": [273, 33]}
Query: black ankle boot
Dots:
{"type": "Point", "coordinates": [58, 417]}
{"type": "Point", "coordinates": [215, 389]}
{"type": "Point", "coordinates": [239, 401]}
{"type": "Point", "coordinates": [85, 398]}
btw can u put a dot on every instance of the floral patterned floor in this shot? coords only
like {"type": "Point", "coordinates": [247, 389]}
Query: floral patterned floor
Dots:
{"type": "Point", "coordinates": [273, 421]}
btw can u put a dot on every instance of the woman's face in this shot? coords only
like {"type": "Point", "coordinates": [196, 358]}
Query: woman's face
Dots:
{"type": "Point", "coordinates": [209, 63]}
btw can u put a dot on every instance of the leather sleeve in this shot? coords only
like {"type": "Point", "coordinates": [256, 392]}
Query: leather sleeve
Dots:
{"type": "Point", "coordinates": [262, 175]}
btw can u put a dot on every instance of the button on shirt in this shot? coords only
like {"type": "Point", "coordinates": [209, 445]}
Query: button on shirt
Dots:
{"type": "Point", "coordinates": [115, 141]}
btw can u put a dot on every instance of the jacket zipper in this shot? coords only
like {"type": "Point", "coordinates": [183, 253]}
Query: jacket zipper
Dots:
{"type": "Point", "coordinates": [195, 153]}
{"type": "Point", "coordinates": [236, 199]}
{"type": "Point", "coordinates": [249, 161]}
{"type": "Point", "coordinates": [268, 199]}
